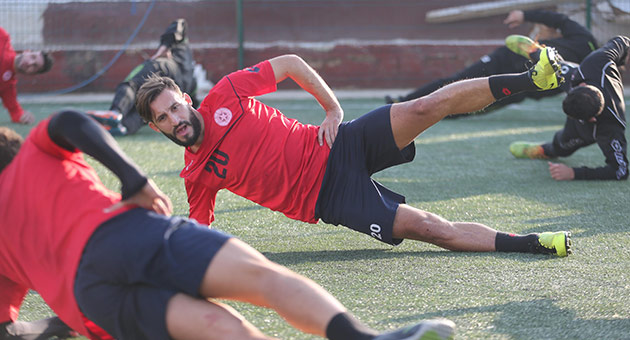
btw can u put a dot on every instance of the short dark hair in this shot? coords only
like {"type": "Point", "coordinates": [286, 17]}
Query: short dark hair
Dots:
{"type": "Point", "coordinates": [152, 87]}
{"type": "Point", "coordinates": [583, 102]}
{"type": "Point", "coordinates": [48, 62]}
{"type": "Point", "coordinates": [10, 142]}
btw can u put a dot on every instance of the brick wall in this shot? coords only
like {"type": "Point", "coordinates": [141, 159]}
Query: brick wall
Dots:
{"type": "Point", "coordinates": [352, 43]}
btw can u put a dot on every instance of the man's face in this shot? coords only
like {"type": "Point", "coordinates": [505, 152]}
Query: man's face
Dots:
{"type": "Point", "coordinates": [176, 119]}
{"type": "Point", "coordinates": [29, 62]}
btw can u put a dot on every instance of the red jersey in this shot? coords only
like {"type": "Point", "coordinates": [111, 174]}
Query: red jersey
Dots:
{"type": "Point", "coordinates": [8, 82]}
{"type": "Point", "coordinates": [254, 151]}
{"type": "Point", "coordinates": [51, 201]}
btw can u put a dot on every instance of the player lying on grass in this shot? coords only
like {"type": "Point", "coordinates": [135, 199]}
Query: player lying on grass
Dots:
{"type": "Point", "coordinates": [309, 172]}
{"type": "Point", "coordinates": [595, 109]}
{"type": "Point", "coordinates": [124, 266]}
{"type": "Point", "coordinates": [572, 40]}
{"type": "Point", "coordinates": [173, 59]}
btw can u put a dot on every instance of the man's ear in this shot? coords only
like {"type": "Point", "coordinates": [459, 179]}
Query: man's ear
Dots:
{"type": "Point", "coordinates": [155, 128]}
{"type": "Point", "coordinates": [187, 98]}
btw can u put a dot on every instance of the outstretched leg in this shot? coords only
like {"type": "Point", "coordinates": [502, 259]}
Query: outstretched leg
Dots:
{"type": "Point", "coordinates": [409, 119]}
{"type": "Point", "coordinates": [238, 272]}
{"type": "Point", "coordinates": [416, 224]}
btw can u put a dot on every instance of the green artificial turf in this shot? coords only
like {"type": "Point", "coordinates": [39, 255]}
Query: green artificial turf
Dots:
{"type": "Point", "coordinates": [463, 171]}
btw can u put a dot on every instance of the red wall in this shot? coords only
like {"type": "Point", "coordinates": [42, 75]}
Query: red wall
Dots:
{"type": "Point", "coordinates": [89, 32]}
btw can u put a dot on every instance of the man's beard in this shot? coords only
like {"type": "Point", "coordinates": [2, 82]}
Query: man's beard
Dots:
{"type": "Point", "coordinates": [196, 126]}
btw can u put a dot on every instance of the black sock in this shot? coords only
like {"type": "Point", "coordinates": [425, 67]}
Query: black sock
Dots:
{"type": "Point", "coordinates": [516, 243]}
{"type": "Point", "coordinates": [344, 326]}
{"type": "Point", "coordinates": [507, 84]}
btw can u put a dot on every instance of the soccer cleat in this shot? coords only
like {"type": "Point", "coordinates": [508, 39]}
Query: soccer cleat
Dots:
{"type": "Point", "coordinates": [105, 117]}
{"type": "Point", "coordinates": [118, 130]}
{"type": "Point", "coordinates": [527, 150]}
{"type": "Point", "coordinates": [522, 45]}
{"type": "Point", "coordinates": [434, 329]}
{"type": "Point", "coordinates": [110, 120]}
{"type": "Point", "coordinates": [546, 74]}
{"type": "Point", "coordinates": [558, 243]}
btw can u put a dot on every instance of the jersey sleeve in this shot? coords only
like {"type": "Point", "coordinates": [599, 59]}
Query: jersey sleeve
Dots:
{"type": "Point", "coordinates": [8, 93]}
{"type": "Point", "coordinates": [253, 81]}
{"type": "Point", "coordinates": [39, 135]}
{"type": "Point", "coordinates": [613, 144]}
{"type": "Point", "coordinates": [10, 299]}
{"type": "Point", "coordinates": [616, 49]}
{"type": "Point", "coordinates": [201, 202]}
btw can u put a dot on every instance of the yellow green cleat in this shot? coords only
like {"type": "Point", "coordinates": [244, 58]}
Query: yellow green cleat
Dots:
{"type": "Point", "coordinates": [558, 243]}
{"type": "Point", "coordinates": [527, 150]}
{"type": "Point", "coordinates": [522, 45]}
{"type": "Point", "coordinates": [546, 74]}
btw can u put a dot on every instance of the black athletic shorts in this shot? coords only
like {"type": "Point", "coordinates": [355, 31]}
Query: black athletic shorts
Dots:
{"type": "Point", "coordinates": [134, 263]}
{"type": "Point", "coordinates": [349, 196]}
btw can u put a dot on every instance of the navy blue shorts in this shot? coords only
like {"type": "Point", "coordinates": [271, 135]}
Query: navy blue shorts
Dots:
{"type": "Point", "coordinates": [349, 196]}
{"type": "Point", "coordinates": [134, 263]}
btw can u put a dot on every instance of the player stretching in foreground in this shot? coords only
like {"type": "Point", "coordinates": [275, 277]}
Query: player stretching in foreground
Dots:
{"type": "Point", "coordinates": [309, 172]}
{"type": "Point", "coordinates": [127, 267]}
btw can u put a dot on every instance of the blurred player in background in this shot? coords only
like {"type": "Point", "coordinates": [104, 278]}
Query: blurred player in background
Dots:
{"type": "Point", "coordinates": [309, 172]}
{"type": "Point", "coordinates": [573, 41]}
{"type": "Point", "coordinates": [173, 59]}
{"type": "Point", "coordinates": [27, 62]}
{"type": "Point", "coordinates": [116, 263]}
{"type": "Point", "coordinates": [595, 109]}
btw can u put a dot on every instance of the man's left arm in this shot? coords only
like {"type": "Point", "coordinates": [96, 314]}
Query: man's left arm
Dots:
{"type": "Point", "coordinates": [613, 145]}
{"type": "Point", "coordinates": [294, 67]}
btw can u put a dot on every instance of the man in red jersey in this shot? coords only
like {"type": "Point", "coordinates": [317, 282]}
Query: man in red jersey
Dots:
{"type": "Point", "coordinates": [309, 172]}
{"type": "Point", "coordinates": [27, 62]}
{"type": "Point", "coordinates": [123, 268]}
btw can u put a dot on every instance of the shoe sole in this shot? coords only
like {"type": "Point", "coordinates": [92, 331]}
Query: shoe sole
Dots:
{"type": "Point", "coordinates": [109, 120]}
{"type": "Point", "coordinates": [567, 244]}
{"type": "Point", "coordinates": [434, 330]}
{"type": "Point", "coordinates": [553, 61]}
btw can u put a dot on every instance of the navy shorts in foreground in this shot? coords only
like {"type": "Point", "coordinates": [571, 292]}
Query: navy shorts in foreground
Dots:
{"type": "Point", "coordinates": [349, 196]}
{"type": "Point", "coordinates": [134, 263]}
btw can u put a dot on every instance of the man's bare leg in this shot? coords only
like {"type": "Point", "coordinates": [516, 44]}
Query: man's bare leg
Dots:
{"type": "Point", "coordinates": [191, 318]}
{"type": "Point", "coordinates": [415, 224]}
{"type": "Point", "coordinates": [238, 272]}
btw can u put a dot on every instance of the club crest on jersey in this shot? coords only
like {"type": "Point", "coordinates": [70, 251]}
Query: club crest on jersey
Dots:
{"type": "Point", "coordinates": [7, 75]}
{"type": "Point", "coordinates": [222, 116]}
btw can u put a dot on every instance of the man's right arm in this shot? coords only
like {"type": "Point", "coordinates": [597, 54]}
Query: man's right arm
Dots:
{"type": "Point", "coordinates": [8, 93]}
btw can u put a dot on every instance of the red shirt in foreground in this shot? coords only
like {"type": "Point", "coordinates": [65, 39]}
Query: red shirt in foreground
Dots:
{"type": "Point", "coordinates": [51, 201]}
{"type": "Point", "coordinates": [254, 151]}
